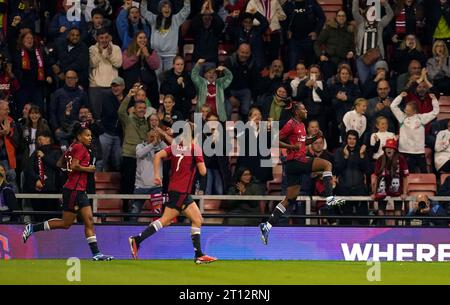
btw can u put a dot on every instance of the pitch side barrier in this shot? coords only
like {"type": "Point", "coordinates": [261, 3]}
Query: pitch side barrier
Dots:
{"type": "Point", "coordinates": [202, 198]}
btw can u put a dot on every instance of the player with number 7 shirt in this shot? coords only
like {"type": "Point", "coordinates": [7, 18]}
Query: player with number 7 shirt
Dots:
{"type": "Point", "coordinates": [185, 158]}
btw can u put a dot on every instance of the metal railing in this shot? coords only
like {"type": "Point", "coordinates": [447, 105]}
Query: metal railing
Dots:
{"type": "Point", "coordinates": [308, 200]}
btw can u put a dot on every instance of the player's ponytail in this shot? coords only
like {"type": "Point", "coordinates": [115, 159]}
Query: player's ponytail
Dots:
{"type": "Point", "coordinates": [78, 129]}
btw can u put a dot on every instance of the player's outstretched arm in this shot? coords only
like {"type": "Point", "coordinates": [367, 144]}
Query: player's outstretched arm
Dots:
{"type": "Point", "coordinates": [201, 168]}
{"type": "Point", "coordinates": [156, 165]}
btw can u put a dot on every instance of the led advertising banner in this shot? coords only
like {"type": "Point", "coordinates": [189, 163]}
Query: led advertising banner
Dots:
{"type": "Point", "coordinates": [238, 243]}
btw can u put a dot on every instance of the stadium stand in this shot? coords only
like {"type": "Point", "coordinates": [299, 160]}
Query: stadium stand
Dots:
{"type": "Point", "coordinates": [422, 184]}
{"type": "Point", "coordinates": [108, 183]}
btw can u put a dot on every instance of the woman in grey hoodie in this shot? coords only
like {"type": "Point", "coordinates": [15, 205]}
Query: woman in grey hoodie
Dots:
{"type": "Point", "coordinates": [165, 30]}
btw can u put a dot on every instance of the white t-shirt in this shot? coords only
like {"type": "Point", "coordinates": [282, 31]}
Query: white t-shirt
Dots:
{"type": "Point", "coordinates": [355, 121]}
{"type": "Point", "coordinates": [383, 136]}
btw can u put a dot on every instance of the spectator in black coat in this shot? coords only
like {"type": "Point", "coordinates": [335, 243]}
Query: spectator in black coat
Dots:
{"type": "Point", "coordinates": [110, 140]}
{"type": "Point", "coordinates": [30, 67]}
{"type": "Point", "coordinates": [43, 176]}
{"type": "Point", "coordinates": [242, 30]}
{"type": "Point", "coordinates": [70, 97]}
{"type": "Point", "coordinates": [207, 28]}
{"type": "Point", "coordinates": [254, 160]}
{"type": "Point", "coordinates": [343, 92]}
{"type": "Point", "coordinates": [409, 49]}
{"type": "Point", "coordinates": [72, 54]}
{"type": "Point", "coordinates": [271, 79]}
{"type": "Point", "coordinates": [177, 82]}
{"type": "Point", "coordinates": [305, 20]}
{"type": "Point", "coordinates": [350, 167]}
{"type": "Point", "coordinates": [313, 92]}
{"type": "Point", "coordinates": [241, 91]}
{"type": "Point", "coordinates": [218, 168]}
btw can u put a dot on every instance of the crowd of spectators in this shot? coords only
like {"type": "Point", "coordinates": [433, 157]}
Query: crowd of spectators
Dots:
{"type": "Point", "coordinates": [369, 85]}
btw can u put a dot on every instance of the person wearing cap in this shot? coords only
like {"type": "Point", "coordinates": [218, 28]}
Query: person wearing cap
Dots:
{"type": "Point", "coordinates": [105, 59]}
{"type": "Point", "coordinates": [102, 5]}
{"type": "Point", "coordinates": [98, 22]}
{"type": "Point", "coordinates": [165, 30]}
{"type": "Point", "coordinates": [110, 138]}
{"type": "Point", "coordinates": [210, 88]}
{"type": "Point", "coordinates": [369, 88]}
{"type": "Point", "coordinates": [412, 131]}
{"type": "Point", "coordinates": [390, 178]}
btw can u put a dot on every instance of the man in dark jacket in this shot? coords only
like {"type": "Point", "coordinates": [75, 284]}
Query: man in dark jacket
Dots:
{"type": "Point", "coordinates": [245, 75]}
{"type": "Point", "coordinates": [208, 27]}
{"type": "Point", "coordinates": [380, 106]}
{"type": "Point", "coordinates": [73, 54]}
{"type": "Point", "coordinates": [66, 99]}
{"type": "Point", "coordinates": [110, 140]}
{"type": "Point", "coordinates": [242, 30]}
{"type": "Point", "coordinates": [304, 23]}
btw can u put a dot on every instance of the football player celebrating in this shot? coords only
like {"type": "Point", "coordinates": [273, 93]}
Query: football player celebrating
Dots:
{"type": "Point", "coordinates": [298, 164]}
{"type": "Point", "coordinates": [185, 158]}
{"type": "Point", "coordinates": [78, 162]}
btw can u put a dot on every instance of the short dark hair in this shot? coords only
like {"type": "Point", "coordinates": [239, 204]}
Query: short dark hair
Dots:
{"type": "Point", "coordinates": [78, 129]}
{"type": "Point", "coordinates": [101, 31]}
{"type": "Point", "coordinates": [45, 133]}
{"type": "Point", "coordinates": [351, 132]}
{"type": "Point", "coordinates": [97, 11]}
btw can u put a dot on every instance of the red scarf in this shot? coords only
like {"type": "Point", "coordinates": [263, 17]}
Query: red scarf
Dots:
{"type": "Point", "coordinates": [400, 22]}
{"type": "Point", "coordinates": [41, 171]}
{"type": "Point", "coordinates": [26, 65]}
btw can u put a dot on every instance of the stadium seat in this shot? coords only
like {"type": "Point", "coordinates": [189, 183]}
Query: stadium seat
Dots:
{"type": "Point", "coordinates": [330, 7]}
{"type": "Point", "coordinates": [110, 206]}
{"type": "Point", "coordinates": [444, 108]}
{"type": "Point", "coordinates": [213, 206]}
{"type": "Point", "coordinates": [292, 74]}
{"type": "Point", "coordinates": [274, 186]}
{"type": "Point", "coordinates": [443, 177]}
{"type": "Point", "coordinates": [108, 183]}
{"type": "Point", "coordinates": [422, 184]}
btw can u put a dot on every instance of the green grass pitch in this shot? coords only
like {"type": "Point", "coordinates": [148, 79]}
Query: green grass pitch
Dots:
{"type": "Point", "coordinates": [178, 272]}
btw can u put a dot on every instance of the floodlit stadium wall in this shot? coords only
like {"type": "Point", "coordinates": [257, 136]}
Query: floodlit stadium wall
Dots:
{"type": "Point", "coordinates": [238, 243]}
